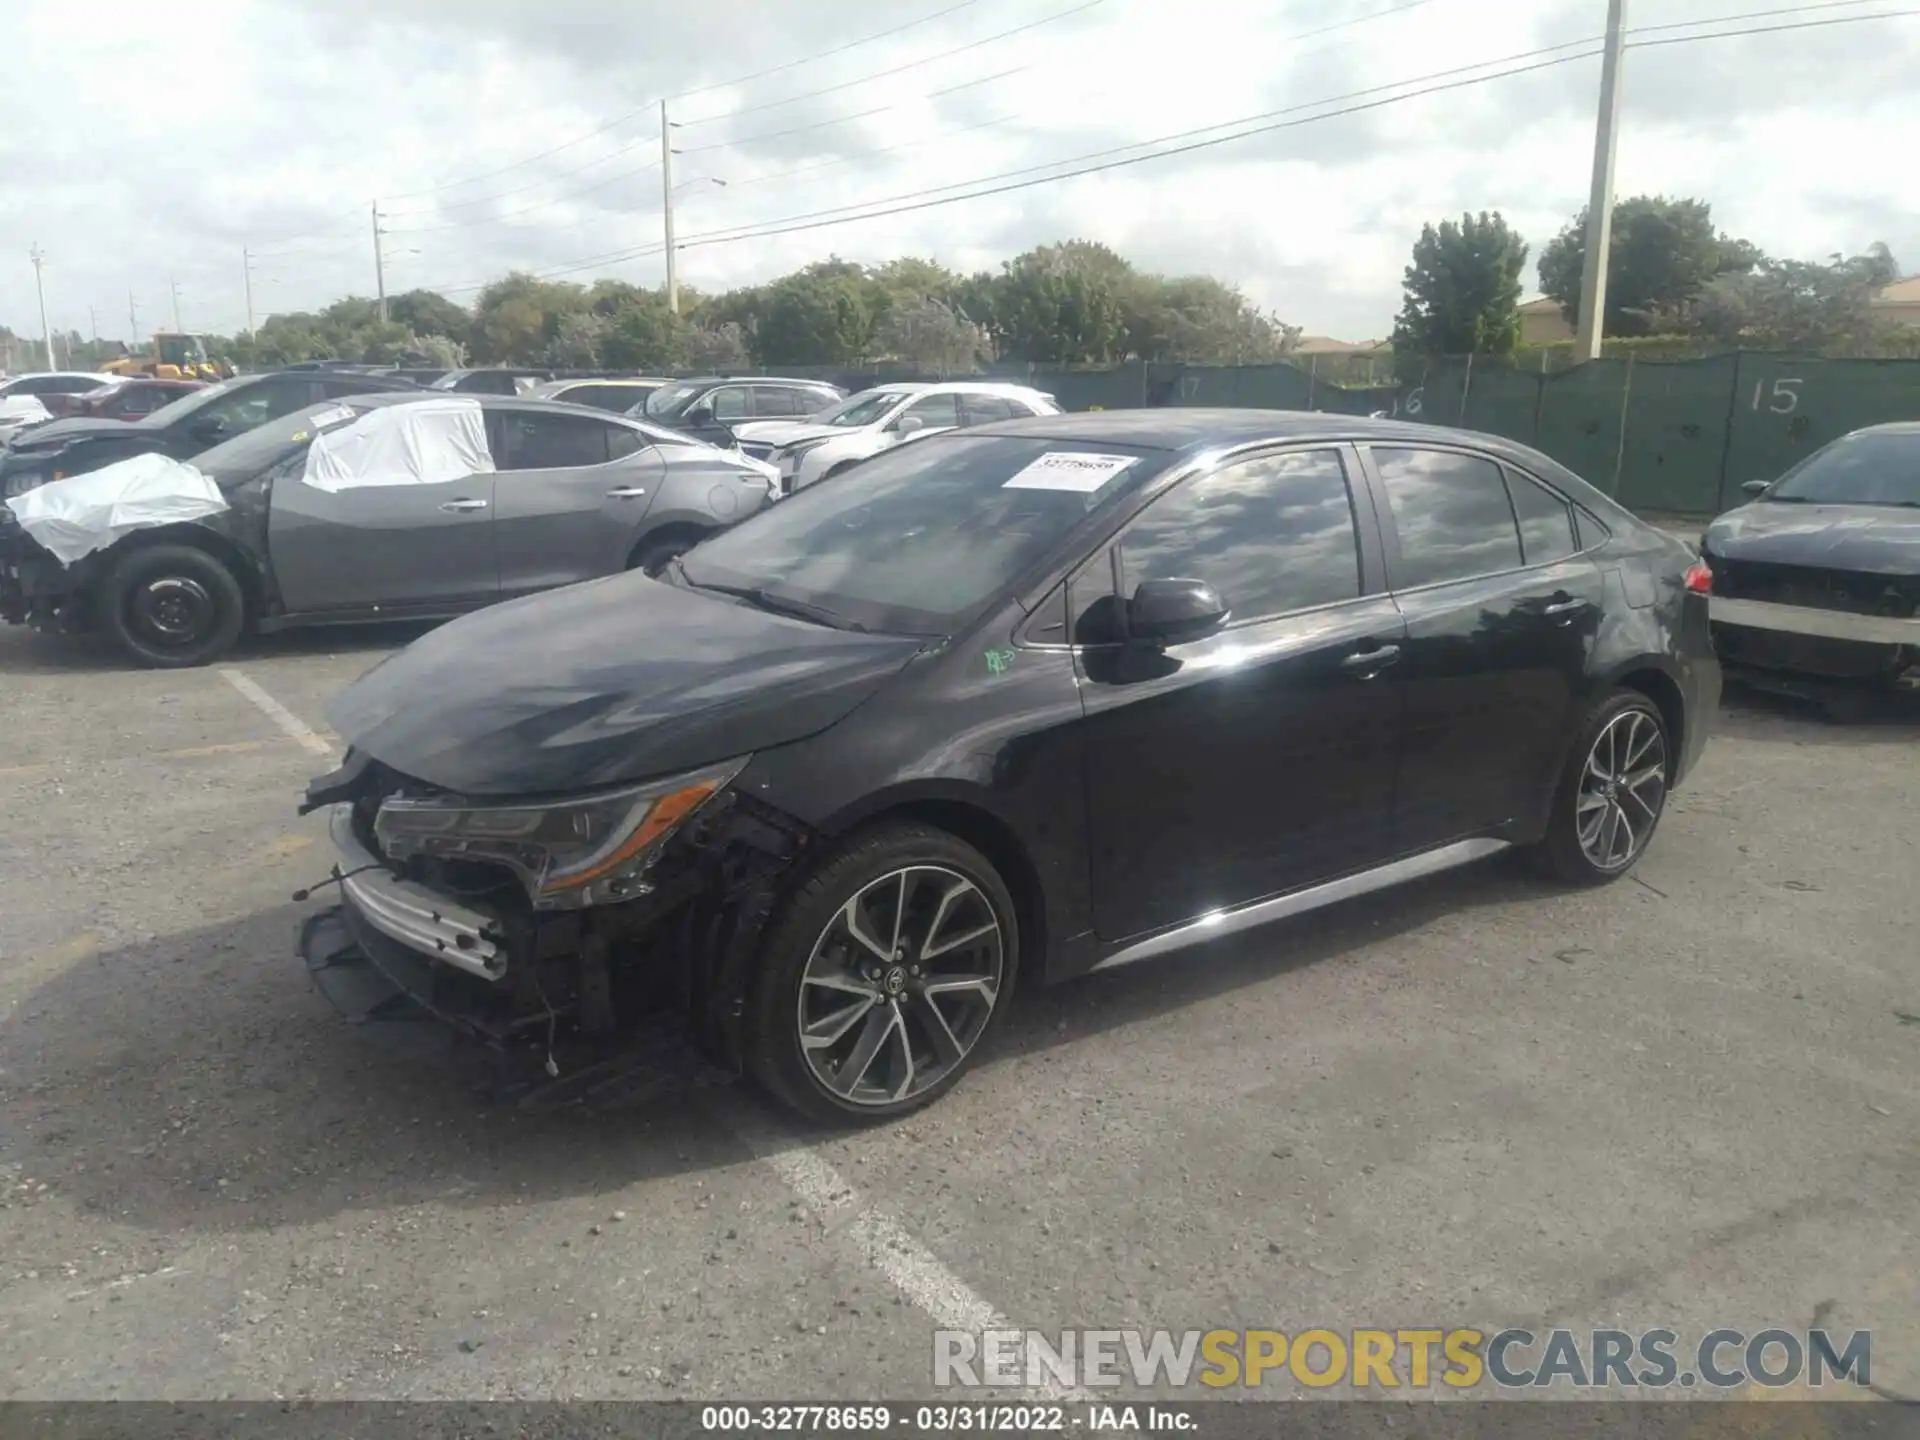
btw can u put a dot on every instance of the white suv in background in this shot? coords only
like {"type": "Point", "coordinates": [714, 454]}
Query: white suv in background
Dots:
{"type": "Point", "coordinates": [878, 419]}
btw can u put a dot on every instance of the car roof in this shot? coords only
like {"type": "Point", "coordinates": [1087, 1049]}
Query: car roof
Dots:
{"type": "Point", "coordinates": [959, 387]}
{"type": "Point", "coordinates": [57, 375]}
{"type": "Point", "coordinates": [755, 380]}
{"type": "Point", "coordinates": [485, 402]}
{"type": "Point", "coordinates": [1891, 427]}
{"type": "Point", "coordinates": [553, 386]}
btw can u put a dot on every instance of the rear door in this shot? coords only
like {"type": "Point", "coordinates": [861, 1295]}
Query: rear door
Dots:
{"type": "Point", "coordinates": [569, 496]}
{"type": "Point", "coordinates": [1501, 613]}
{"type": "Point", "coordinates": [425, 547]}
{"type": "Point", "coordinates": [1261, 758]}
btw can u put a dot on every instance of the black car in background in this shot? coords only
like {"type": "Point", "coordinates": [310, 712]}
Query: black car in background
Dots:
{"type": "Point", "coordinates": [710, 407]}
{"type": "Point", "coordinates": [195, 422]}
{"type": "Point", "coordinates": [1816, 581]}
{"type": "Point", "coordinates": [491, 380]}
{"type": "Point", "coordinates": [1044, 696]}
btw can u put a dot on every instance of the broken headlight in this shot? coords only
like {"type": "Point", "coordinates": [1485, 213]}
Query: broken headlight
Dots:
{"type": "Point", "coordinates": [589, 850]}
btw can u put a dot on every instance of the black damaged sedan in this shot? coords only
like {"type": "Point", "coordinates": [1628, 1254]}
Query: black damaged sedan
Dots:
{"type": "Point", "coordinates": [1016, 703]}
{"type": "Point", "coordinates": [1817, 578]}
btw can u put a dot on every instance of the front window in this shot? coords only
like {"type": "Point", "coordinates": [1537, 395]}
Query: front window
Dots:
{"type": "Point", "coordinates": [670, 400]}
{"type": "Point", "coordinates": [1856, 470]}
{"type": "Point", "coordinates": [193, 401]}
{"type": "Point", "coordinates": [857, 410]}
{"type": "Point", "coordinates": [240, 459]}
{"type": "Point", "coordinates": [920, 539]}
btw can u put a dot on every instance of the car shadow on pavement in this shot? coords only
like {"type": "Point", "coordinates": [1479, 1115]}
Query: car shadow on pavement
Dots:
{"type": "Point", "coordinates": [1106, 1000]}
{"type": "Point", "coordinates": [197, 1082]}
{"type": "Point", "coordinates": [1749, 713]}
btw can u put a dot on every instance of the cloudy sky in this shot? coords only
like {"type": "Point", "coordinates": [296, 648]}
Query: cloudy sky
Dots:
{"type": "Point", "coordinates": [152, 144]}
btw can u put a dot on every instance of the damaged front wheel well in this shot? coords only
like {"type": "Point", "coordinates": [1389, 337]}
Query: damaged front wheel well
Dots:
{"type": "Point", "coordinates": [231, 557]}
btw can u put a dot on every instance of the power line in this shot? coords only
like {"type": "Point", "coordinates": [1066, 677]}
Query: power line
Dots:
{"type": "Point", "coordinates": [897, 69]}
{"type": "Point", "coordinates": [620, 120]}
{"type": "Point", "coordinates": [914, 201]}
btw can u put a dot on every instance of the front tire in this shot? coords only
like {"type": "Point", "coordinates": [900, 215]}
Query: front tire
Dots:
{"type": "Point", "coordinates": [1611, 794]}
{"type": "Point", "coordinates": [883, 976]}
{"type": "Point", "coordinates": [655, 555]}
{"type": "Point", "coordinates": [169, 607]}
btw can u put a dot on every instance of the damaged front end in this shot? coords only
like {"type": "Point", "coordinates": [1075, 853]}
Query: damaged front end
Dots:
{"type": "Point", "coordinates": [561, 927]}
{"type": "Point", "coordinates": [1799, 626]}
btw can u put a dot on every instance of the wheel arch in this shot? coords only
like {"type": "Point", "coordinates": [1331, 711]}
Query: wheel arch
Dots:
{"type": "Point", "coordinates": [690, 531]}
{"type": "Point", "coordinates": [966, 816]}
{"type": "Point", "coordinates": [243, 568]}
{"type": "Point", "coordinates": [1651, 678]}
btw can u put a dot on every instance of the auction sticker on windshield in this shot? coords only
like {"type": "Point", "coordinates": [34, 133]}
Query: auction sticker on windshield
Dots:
{"type": "Point", "coordinates": [1077, 470]}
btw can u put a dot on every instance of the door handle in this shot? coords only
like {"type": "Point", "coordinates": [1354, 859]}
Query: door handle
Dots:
{"type": "Point", "coordinates": [625, 492]}
{"type": "Point", "coordinates": [1370, 662]}
{"type": "Point", "coordinates": [464, 504]}
{"type": "Point", "coordinates": [1566, 605]}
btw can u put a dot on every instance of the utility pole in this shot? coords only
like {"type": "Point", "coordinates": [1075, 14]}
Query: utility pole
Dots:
{"type": "Point", "coordinates": [93, 323]}
{"type": "Point", "coordinates": [40, 289]}
{"type": "Point", "coordinates": [246, 276]}
{"type": "Point", "coordinates": [666, 209]}
{"type": "Point", "coordinates": [133, 321]}
{"type": "Point", "coordinates": [1606, 137]}
{"type": "Point", "coordinates": [379, 269]}
{"type": "Point", "coordinates": [174, 286]}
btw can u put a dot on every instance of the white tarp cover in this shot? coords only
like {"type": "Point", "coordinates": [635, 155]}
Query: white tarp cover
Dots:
{"type": "Point", "coordinates": [420, 442]}
{"type": "Point", "coordinates": [81, 514]}
{"type": "Point", "coordinates": [22, 410]}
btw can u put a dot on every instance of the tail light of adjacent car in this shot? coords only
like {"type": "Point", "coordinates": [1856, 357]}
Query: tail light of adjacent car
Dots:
{"type": "Point", "coordinates": [1699, 578]}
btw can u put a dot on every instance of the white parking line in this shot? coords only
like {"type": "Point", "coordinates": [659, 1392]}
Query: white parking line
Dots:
{"type": "Point", "coordinates": [915, 1271]}
{"type": "Point", "coordinates": [290, 723]}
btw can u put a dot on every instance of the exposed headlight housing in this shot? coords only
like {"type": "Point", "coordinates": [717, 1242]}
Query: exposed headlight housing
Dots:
{"type": "Point", "coordinates": [21, 481]}
{"type": "Point", "coordinates": [801, 447]}
{"type": "Point", "coordinates": [588, 850]}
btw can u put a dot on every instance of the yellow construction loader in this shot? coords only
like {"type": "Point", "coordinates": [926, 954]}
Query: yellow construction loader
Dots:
{"type": "Point", "coordinates": [171, 356]}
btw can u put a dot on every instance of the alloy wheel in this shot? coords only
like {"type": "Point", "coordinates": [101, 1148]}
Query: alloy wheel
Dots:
{"type": "Point", "coordinates": [900, 985]}
{"type": "Point", "coordinates": [1622, 791]}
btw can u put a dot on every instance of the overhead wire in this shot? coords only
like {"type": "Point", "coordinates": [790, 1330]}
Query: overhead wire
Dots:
{"type": "Point", "coordinates": [620, 120]}
{"type": "Point", "coordinates": [1446, 80]}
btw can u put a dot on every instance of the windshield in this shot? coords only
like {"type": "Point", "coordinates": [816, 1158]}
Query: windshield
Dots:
{"type": "Point", "coordinates": [1870, 469]}
{"type": "Point", "coordinates": [186, 405]}
{"type": "Point", "coordinates": [672, 399]}
{"type": "Point", "coordinates": [920, 539]}
{"type": "Point", "coordinates": [862, 409]}
{"type": "Point", "coordinates": [242, 458]}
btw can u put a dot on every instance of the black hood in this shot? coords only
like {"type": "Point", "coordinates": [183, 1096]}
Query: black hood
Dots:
{"type": "Point", "coordinates": [57, 433]}
{"type": "Point", "coordinates": [597, 684]}
{"type": "Point", "coordinates": [1871, 539]}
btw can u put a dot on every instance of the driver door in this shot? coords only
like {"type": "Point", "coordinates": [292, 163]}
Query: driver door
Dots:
{"type": "Point", "coordinates": [427, 547]}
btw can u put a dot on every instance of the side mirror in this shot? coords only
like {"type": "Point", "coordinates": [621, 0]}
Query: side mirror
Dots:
{"type": "Point", "coordinates": [908, 424]}
{"type": "Point", "coordinates": [211, 427]}
{"type": "Point", "coordinates": [1756, 487]}
{"type": "Point", "coordinates": [700, 415]}
{"type": "Point", "coordinates": [1175, 610]}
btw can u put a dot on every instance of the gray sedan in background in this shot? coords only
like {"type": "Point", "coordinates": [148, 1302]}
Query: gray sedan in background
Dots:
{"type": "Point", "coordinates": [571, 494]}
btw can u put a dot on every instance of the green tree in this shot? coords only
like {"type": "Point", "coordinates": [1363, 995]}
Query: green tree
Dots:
{"type": "Point", "coordinates": [643, 334]}
{"type": "Point", "coordinates": [1662, 253]}
{"type": "Point", "coordinates": [1816, 309]}
{"type": "Point", "coordinates": [518, 317]}
{"type": "Point", "coordinates": [925, 333]}
{"type": "Point", "coordinates": [821, 315]}
{"type": "Point", "coordinates": [1058, 304]}
{"type": "Point", "coordinates": [1462, 289]}
{"type": "Point", "coordinates": [1199, 319]}
{"type": "Point", "coordinates": [426, 312]}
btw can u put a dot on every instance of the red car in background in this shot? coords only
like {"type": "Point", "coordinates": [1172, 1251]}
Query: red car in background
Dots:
{"type": "Point", "coordinates": [127, 399]}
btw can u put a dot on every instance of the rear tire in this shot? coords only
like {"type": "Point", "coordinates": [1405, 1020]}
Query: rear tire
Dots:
{"type": "Point", "coordinates": [1611, 795]}
{"type": "Point", "coordinates": [883, 976]}
{"type": "Point", "coordinates": [170, 607]}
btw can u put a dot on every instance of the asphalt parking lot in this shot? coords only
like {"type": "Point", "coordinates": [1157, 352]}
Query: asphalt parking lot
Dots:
{"type": "Point", "coordinates": [1686, 1100]}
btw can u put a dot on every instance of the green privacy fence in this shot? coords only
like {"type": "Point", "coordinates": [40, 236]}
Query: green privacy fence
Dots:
{"type": "Point", "coordinates": [1677, 436]}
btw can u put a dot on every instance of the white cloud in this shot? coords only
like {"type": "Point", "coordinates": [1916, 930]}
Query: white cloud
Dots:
{"type": "Point", "coordinates": [155, 144]}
